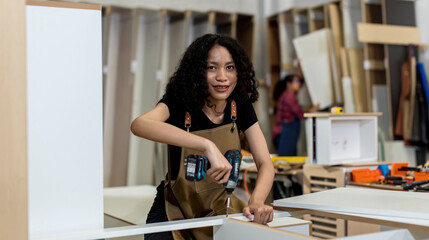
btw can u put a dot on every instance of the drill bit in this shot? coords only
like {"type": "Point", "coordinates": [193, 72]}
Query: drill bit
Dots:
{"type": "Point", "coordinates": [227, 204]}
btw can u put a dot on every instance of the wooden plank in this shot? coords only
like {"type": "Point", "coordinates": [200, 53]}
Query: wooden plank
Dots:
{"type": "Point", "coordinates": [408, 124]}
{"type": "Point", "coordinates": [13, 137]}
{"type": "Point", "coordinates": [313, 51]}
{"type": "Point", "coordinates": [336, 27]}
{"type": "Point", "coordinates": [64, 4]}
{"type": "Point", "coordinates": [388, 34]}
{"type": "Point", "coordinates": [355, 58]}
{"type": "Point", "coordinates": [363, 201]}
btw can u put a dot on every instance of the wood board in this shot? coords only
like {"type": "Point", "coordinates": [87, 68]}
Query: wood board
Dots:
{"type": "Point", "coordinates": [335, 25]}
{"type": "Point", "coordinates": [355, 59]}
{"type": "Point", "coordinates": [388, 34]}
{"type": "Point", "coordinates": [312, 49]}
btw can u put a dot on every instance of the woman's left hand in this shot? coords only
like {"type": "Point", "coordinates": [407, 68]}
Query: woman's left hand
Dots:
{"type": "Point", "coordinates": [263, 214]}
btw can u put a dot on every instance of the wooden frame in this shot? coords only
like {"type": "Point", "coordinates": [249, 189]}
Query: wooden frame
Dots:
{"type": "Point", "coordinates": [13, 137]}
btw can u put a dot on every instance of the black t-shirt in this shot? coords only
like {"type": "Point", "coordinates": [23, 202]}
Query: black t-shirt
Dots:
{"type": "Point", "coordinates": [246, 117]}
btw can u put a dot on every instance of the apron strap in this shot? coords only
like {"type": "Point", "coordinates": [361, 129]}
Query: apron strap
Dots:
{"type": "Point", "coordinates": [233, 114]}
{"type": "Point", "coordinates": [233, 117]}
{"type": "Point", "coordinates": [187, 121]}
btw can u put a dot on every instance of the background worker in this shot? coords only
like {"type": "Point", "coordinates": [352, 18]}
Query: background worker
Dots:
{"type": "Point", "coordinates": [214, 81]}
{"type": "Point", "coordinates": [288, 115]}
{"type": "Point", "coordinates": [287, 129]}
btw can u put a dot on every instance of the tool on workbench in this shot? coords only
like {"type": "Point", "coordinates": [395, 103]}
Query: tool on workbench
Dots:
{"type": "Point", "coordinates": [197, 166]}
{"type": "Point", "coordinates": [413, 185]}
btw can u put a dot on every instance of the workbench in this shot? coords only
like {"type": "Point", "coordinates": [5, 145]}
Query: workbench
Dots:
{"type": "Point", "coordinates": [391, 208]}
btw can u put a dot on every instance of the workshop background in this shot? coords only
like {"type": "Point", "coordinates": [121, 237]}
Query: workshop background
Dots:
{"type": "Point", "coordinates": [351, 53]}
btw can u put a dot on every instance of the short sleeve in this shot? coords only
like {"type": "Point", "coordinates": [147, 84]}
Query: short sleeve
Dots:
{"type": "Point", "coordinates": [246, 116]}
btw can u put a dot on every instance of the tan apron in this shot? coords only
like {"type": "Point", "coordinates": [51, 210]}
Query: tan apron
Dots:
{"type": "Point", "coordinates": [186, 199]}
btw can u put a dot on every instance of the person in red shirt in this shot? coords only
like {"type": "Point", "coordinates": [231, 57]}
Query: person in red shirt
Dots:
{"type": "Point", "coordinates": [288, 115]}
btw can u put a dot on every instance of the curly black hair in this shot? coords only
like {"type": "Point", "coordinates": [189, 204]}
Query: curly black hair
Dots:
{"type": "Point", "coordinates": [189, 85]}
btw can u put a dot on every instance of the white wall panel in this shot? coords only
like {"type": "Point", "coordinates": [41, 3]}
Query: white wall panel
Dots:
{"type": "Point", "coordinates": [64, 90]}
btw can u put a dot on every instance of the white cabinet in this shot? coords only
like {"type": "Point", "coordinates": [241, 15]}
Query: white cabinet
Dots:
{"type": "Point", "coordinates": [341, 138]}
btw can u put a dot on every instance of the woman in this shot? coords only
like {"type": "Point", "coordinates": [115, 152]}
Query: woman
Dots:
{"type": "Point", "coordinates": [288, 115]}
{"type": "Point", "coordinates": [206, 103]}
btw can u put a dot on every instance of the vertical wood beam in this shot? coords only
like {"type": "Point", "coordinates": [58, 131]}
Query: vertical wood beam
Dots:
{"type": "Point", "coordinates": [13, 123]}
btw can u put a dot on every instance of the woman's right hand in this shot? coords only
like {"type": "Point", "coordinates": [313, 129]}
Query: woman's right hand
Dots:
{"type": "Point", "coordinates": [220, 167]}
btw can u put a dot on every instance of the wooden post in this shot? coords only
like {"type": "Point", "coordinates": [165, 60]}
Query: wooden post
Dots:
{"type": "Point", "coordinates": [13, 123]}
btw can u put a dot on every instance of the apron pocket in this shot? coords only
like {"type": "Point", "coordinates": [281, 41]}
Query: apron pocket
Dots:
{"type": "Point", "coordinates": [206, 185]}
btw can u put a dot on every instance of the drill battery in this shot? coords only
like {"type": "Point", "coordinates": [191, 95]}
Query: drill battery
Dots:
{"type": "Point", "coordinates": [197, 166]}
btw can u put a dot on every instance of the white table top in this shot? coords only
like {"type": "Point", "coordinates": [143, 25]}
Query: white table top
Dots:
{"type": "Point", "coordinates": [372, 202]}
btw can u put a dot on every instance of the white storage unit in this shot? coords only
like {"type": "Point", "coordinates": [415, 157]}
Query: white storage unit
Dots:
{"type": "Point", "coordinates": [334, 139]}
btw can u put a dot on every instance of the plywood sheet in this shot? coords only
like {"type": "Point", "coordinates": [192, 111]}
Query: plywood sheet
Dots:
{"type": "Point", "coordinates": [388, 34]}
{"type": "Point", "coordinates": [355, 59]}
{"type": "Point", "coordinates": [363, 201]}
{"type": "Point", "coordinates": [312, 50]}
{"type": "Point", "coordinates": [336, 27]}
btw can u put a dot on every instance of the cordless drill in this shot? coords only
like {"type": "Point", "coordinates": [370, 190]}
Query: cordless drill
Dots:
{"type": "Point", "coordinates": [197, 166]}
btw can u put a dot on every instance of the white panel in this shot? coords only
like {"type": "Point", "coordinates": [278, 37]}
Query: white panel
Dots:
{"type": "Point", "coordinates": [323, 136]}
{"type": "Point", "coordinates": [108, 233]}
{"type": "Point", "coordinates": [349, 104]}
{"type": "Point", "coordinates": [234, 229]}
{"type": "Point", "coordinates": [364, 201]}
{"type": "Point", "coordinates": [312, 50]}
{"type": "Point", "coordinates": [64, 119]}
{"type": "Point", "coordinates": [381, 105]}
